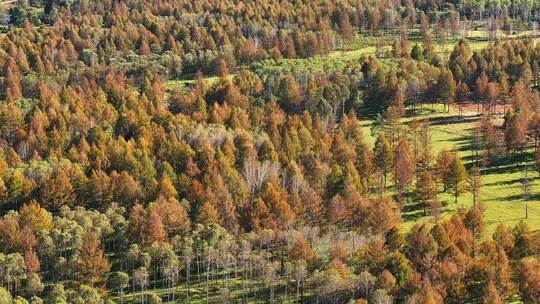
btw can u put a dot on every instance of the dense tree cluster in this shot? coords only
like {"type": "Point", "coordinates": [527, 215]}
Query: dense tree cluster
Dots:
{"type": "Point", "coordinates": [179, 37]}
{"type": "Point", "coordinates": [263, 181]}
{"type": "Point", "coordinates": [442, 262]}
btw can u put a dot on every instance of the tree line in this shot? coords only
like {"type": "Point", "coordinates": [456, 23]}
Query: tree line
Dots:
{"type": "Point", "coordinates": [262, 185]}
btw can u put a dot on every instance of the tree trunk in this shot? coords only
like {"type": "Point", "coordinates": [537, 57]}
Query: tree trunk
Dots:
{"type": "Point", "coordinates": [187, 280]}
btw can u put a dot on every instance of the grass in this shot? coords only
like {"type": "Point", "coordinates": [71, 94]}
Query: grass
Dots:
{"type": "Point", "coordinates": [256, 292]}
{"type": "Point", "coordinates": [184, 83]}
{"type": "Point", "coordinates": [502, 189]}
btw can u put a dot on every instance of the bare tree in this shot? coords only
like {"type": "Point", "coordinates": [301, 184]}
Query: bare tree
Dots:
{"type": "Point", "coordinates": [255, 173]}
{"type": "Point", "coordinates": [270, 274]}
{"type": "Point", "coordinates": [187, 255]}
{"type": "Point", "coordinates": [171, 271]}
{"type": "Point", "coordinates": [140, 277]}
{"type": "Point", "coordinates": [366, 282]}
{"type": "Point", "coordinates": [300, 274]}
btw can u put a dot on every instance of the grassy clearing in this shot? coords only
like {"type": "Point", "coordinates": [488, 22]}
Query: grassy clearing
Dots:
{"type": "Point", "coordinates": [502, 190]}
{"type": "Point", "coordinates": [182, 83]}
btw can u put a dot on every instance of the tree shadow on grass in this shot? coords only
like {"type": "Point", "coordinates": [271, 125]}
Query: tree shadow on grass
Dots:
{"type": "Point", "coordinates": [511, 164]}
{"type": "Point", "coordinates": [503, 169]}
{"type": "Point", "coordinates": [462, 138]}
{"type": "Point", "coordinates": [455, 119]}
{"type": "Point", "coordinates": [504, 182]}
{"type": "Point", "coordinates": [535, 197]}
{"type": "Point", "coordinates": [412, 217]}
{"type": "Point", "coordinates": [414, 206]}
{"type": "Point", "coordinates": [513, 197]}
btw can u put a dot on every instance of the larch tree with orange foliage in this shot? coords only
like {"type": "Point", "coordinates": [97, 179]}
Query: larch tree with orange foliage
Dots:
{"type": "Point", "coordinates": [91, 262]}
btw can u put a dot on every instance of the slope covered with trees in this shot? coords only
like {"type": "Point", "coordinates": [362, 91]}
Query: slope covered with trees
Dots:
{"type": "Point", "coordinates": [261, 183]}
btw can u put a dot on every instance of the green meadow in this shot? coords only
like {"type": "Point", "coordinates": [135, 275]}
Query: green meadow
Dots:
{"type": "Point", "coordinates": [502, 190]}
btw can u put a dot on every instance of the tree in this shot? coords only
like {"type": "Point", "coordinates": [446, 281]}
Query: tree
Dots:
{"type": "Point", "coordinates": [444, 159]}
{"type": "Point", "coordinates": [492, 95]}
{"type": "Point", "coordinates": [383, 156]}
{"type": "Point", "coordinates": [475, 183]}
{"type": "Point", "coordinates": [119, 281]}
{"type": "Point", "coordinates": [17, 186]}
{"type": "Point", "coordinates": [403, 166]}
{"type": "Point", "coordinates": [366, 283]}
{"type": "Point", "coordinates": [58, 191]}
{"type": "Point", "coordinates": [33, 216]}
{"type": "Point", "coordinates": [474, 221]}
{"type": "Point", "coordinates": [526, 188]}
{"type": "Point", "coordinates": [208, 214]}
{"type": "Point", "coordinates": [136, 224]}
{"type": "Point", "coordinates": [270, 275]}
{"type": "Point", "coordinates": [462, 92]}
{"type": "Point", "coordinates": [345, 25]}
{"type": "Point", "coordinates": [166, 188]}
{"type": "Point", "coordinates": [20, 300]}
{"type": "Point", "coordinates": [5, 296]}
{"type": "Point", "coordinates": [31, 260]}
{"type": "Point", "coordinates": [422, 248]}
{"type": "Point", "coordinates": [300, 273]}
{"type": "Point", "coordinates": [383, 215]}
{"type": "Point", "coordinates": [523, 243]}
{"type": "Point", "coordinates": [33, 285]}
{"type": "Point", "coordinates": [140, 278]}
{"type": "Point", "coordinates": [173, 215]}
{"type": "Point", "coordinates": [446, 88]}
{"type": "Point", "coordinates": [57, 294]}
{"type": "Point", "coordinates": [222, 68]}
{"type": "Point", "coordinates": [85, 294]}
{"type": "Point", "coordinates": [457, 177]}
{"type": "Point", "coordinates": [537, 160]}
{"type": "Point", "coordinates": [170, 271]}
{"type": "Point", "coordinates": [290, 96]}
{"type": "Point", "coordinates": [481, 89]}
{"type": "Point", "coordinates": [426, 294]}
{"type": "Point", "coordinates": [91, 262]}
{"type": "Point", "coordinates": [13, 82]}
{"type": "Point", "coordinates": [515, 133]}
{"type": "Point", "coordinates": [426, 189]}
{"type": "Point", "coordinates": [504, 238]}
{"type": "Point", "coordinates": [381, 296]}
{"type": "Point", "coordinates": [153, 298]}
{"type": "Point", "coordinates": [528, 278]}
{"type": "Point", "coordinates": [301, 250]}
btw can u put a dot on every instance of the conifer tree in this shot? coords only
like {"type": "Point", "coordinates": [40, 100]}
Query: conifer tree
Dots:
{"type": "Point", "coordinates": [457, 177]}
{"type": "Point", "coordinates": [475, 183]}
{"type": "Point", "coordinates": [403, 166]}
{"type": "Point", "coordinates": [91, 262]}
{"type": "Point", "coordinates": [383, 157]}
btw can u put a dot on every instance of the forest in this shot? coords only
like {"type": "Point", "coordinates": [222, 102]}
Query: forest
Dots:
{"type": "Point", "coordinates": [270, 151]}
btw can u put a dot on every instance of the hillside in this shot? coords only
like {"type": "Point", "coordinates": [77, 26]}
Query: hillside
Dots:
{"type": "Point", "coordinates": [220, 151]}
